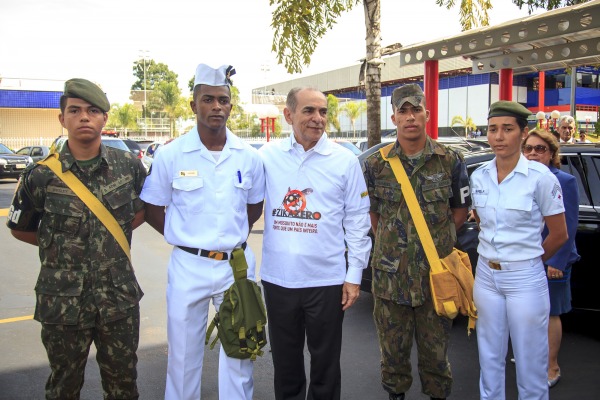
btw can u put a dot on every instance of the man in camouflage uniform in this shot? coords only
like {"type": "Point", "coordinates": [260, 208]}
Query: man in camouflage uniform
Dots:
{"type": "Point", "coordinates": [403, 305]}
{"type": "Point", "coordinates": [86, 290]}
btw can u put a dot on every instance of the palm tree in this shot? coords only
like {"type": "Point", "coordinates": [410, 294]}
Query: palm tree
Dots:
{"type": "Point", "coordinates": [353, 110]}
{"type": "Point", "coordinates": [167, 97]}
{"type": "Point", "coordinates": [333, 110]}
{"type": "Point", "coordinates": [123, 117]}
{"type": "Point", "coordinates": [468, 123]}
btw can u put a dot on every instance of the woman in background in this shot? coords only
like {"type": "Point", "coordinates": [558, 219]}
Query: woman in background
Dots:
{"type": "Point", "coordinates": [541, 146]}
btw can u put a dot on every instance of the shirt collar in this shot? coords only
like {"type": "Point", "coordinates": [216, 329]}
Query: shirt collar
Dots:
{"type": "Point", "coordinates": [521, 167]}
{"type": "Point", "coordinates": [67, 160]}
{"type": "Point", "coordinates": [192, 141]}
{"type": "Point", "coordinates": [431, 147]}
{"type": "Point", "coordinates": [323, 146]}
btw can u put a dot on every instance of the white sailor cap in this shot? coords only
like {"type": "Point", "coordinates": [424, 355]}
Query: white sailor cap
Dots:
{"type": "Point", "coordinates": [206, 75]}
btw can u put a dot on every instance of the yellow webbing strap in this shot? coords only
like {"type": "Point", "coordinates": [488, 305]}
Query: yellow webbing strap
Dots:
{"type": "Point", "coordinates": [91, 201]}
{"type": "Point", "coordinates": [415, 210]}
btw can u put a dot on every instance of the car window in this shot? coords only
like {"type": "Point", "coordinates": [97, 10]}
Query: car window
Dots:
{"type": "Point", "coordinates": [572, 164]}
{"type": "Point", "coordinates": [594, 177]}
{"type": "Point", "coordinates": [5, 150]}
{"type": "Point", "coordinates": [24, 151]}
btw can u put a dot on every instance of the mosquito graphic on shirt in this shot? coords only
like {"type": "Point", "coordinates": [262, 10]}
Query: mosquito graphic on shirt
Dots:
{"type": "Point", "coordinates": [294, 201]}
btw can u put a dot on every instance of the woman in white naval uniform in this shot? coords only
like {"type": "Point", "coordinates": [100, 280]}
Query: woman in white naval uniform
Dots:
{"type": "Point", "coordinates": [513, 197]}
{"type": "Point", "coordinates": [212, 186]}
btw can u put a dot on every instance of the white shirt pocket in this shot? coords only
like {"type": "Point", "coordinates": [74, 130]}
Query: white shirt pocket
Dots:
{"type": "Point", "coordinates": [188, 193]}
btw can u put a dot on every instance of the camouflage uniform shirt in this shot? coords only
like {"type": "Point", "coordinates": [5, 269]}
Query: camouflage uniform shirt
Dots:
{"type": "Point", "coordinates": [84, 272]}
{"type": "Point", "coordinates": [439, 178]}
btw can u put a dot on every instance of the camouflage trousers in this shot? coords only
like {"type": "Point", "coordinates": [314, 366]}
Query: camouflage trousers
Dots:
{"type": "Point", "coordinates": [116, 345]}
{"type": "Point", "coordinates": [396, 326]}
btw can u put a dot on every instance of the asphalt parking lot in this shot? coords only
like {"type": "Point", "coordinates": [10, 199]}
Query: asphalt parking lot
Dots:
{"type": "Point", "coordinates": [23, 366]}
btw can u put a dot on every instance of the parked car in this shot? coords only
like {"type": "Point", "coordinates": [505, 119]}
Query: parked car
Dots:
{"type": "Point", "coordinates": [110, 141]}
{"type": "Point", "coordinates": [11, 164]}
{"type": "Point", "coordinates": [579, 160]}
{"type": "Point", "coordinates": [348, 145]}
{"type": "Point", "coordinates": [37, 153]}
{"type": "Point", "coordinates": [148, 156]}
{"type": "Point", "coordinates": [134, 147]}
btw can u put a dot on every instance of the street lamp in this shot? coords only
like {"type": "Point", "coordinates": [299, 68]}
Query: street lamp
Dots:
{"type": "Point", "coordinates": [540, 116]}
{"type": "Point", "coordinates": [555, 115]}
{"type": "Point", "coordinates": [144, 54]}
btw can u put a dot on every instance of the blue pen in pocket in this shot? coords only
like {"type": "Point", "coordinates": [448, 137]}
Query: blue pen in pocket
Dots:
{"type": "Point", "coordinates": [239, 174]}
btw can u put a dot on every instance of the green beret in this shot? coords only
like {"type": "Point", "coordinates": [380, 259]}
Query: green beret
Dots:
{"type": "Point", "coordinates": [411, 93]}
{"type": "Point", "coordinates": [508, 109]}
{"type": "Point", "coordinates": [88, 91]}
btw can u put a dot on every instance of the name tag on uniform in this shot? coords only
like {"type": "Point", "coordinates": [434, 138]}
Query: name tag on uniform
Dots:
{"type": "Point", "coordinates": [188, 173]}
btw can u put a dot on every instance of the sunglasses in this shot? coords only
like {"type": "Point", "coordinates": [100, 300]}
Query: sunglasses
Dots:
{"type": "Point", "coordinates": [539, 149]}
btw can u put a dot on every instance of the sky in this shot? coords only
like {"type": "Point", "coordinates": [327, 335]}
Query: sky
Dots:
{"type": "Point", "coordinates": [44, 43]}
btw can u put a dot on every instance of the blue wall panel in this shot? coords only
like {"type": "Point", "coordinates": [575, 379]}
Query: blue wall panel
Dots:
{"type": "Point", "coordinates": [29, 99]}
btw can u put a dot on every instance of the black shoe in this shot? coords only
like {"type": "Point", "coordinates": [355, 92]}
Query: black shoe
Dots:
{"type": "Point", "coordinates": [396, 396]}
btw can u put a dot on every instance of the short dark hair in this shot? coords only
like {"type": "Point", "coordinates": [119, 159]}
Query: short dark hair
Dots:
{"type": "Point", "coordinates": [63, 103]}
{"type": "Point", "coordinates": [197, 90]}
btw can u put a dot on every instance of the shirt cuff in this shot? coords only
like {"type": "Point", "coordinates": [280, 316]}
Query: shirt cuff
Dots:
{"type": "Point", "coordinates": [354, 275]}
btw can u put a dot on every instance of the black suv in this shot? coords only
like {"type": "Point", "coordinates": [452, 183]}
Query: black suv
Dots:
{"type": "Point", "coordinates": [583, 162]}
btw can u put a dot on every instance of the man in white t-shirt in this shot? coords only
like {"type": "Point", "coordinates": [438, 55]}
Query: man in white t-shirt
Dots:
{"type": "Point", "coordinates": [317, 206]}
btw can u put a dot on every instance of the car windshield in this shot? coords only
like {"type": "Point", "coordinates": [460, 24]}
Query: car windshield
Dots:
{"type": "Point", "coordinates": [350, 147]}
{"type": "Point", "coordinates": [5, 150]}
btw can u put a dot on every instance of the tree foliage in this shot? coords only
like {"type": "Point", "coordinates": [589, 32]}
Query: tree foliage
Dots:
{"type": "Point", "coordinates": [533, 5]}
{"type": "Point", "coordinates": [166, 97]}
{"type": "Point", "coordinates": [353, 110]}
{"type": "Point", "coordinates": [299, 24]}
{"type": "Point", "coordinates": [466, 123]}
{"type": "Point", "coordinates": [333, 111]}
{"type": "Point", "coordinates": [155, 73]}
{"type": "Point", "coordinates": [123, 117]}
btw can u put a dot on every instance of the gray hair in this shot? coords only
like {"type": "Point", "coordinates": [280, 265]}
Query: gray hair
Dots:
{"type": "Point", "coordinates": [291, 102]}
{"type": "Point", "coordinates": [568, 119]}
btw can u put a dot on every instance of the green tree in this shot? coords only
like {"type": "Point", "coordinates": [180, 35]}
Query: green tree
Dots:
{"type": "Point", "coordinates": [353, 110]}
{"type": "Point", "coordinates": [467, 124]}
{"type": "Point", "coordinates": [155, 73]}
{"type": "Point", "coordinates": [333, 111]}
{"type": "Point", "coordinates": [123, 117]}
{"type": "Point", "coordinates": [166, 97]}
{"type": "Point", "coordinates": [299, 24]}
{"type": "Point", "coordinates": [533, 5]}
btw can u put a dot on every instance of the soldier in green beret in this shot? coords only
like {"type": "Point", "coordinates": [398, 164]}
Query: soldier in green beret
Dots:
{"type": "Point", "coordinates": [403, 308]}
{"type": "Point", "coordinates": [86, 290]}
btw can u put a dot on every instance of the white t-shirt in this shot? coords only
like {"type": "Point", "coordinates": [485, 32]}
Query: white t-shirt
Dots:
{"type": "Point", "coordinates": [316, 204]}
{"type": "Point", "coordinates": [206, 199]}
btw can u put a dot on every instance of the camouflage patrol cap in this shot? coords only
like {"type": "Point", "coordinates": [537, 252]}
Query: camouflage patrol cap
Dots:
{"type": "Point", "coordinates": [85, 90]}
{"type": "Point", "coordinates": [505, 108]}
{"type": "Point", "coordinates": [411, 93]}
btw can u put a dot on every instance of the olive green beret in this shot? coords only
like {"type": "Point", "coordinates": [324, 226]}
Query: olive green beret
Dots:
{"type": "Point", "coordinates": [508, 109]}
{"type": "Point", "coordinates": [88, 91]}
{"type": "Point", "coordinates": [411, 93]}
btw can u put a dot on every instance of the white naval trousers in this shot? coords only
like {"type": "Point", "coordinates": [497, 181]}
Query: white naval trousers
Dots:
{"type": "Point", "coordinates": [192, 282]}
{"type": "Point", "coordinates": [512, 302]}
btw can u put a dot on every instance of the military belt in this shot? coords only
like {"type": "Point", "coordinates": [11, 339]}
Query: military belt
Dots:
{"type": "Point", "coordinates": [215, 255]}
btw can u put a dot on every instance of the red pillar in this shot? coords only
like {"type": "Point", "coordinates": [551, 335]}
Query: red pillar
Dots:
{"type": "Point", "coordinates": [506, 81]}
{"type": "Point", "coordinates": [431, 83]}
{"type": "Point", "coordinates": [541, 90]}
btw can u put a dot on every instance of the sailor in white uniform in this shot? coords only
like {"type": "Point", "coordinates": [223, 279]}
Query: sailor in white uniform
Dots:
{"type": "Point", "coordinates": [211, 184]}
